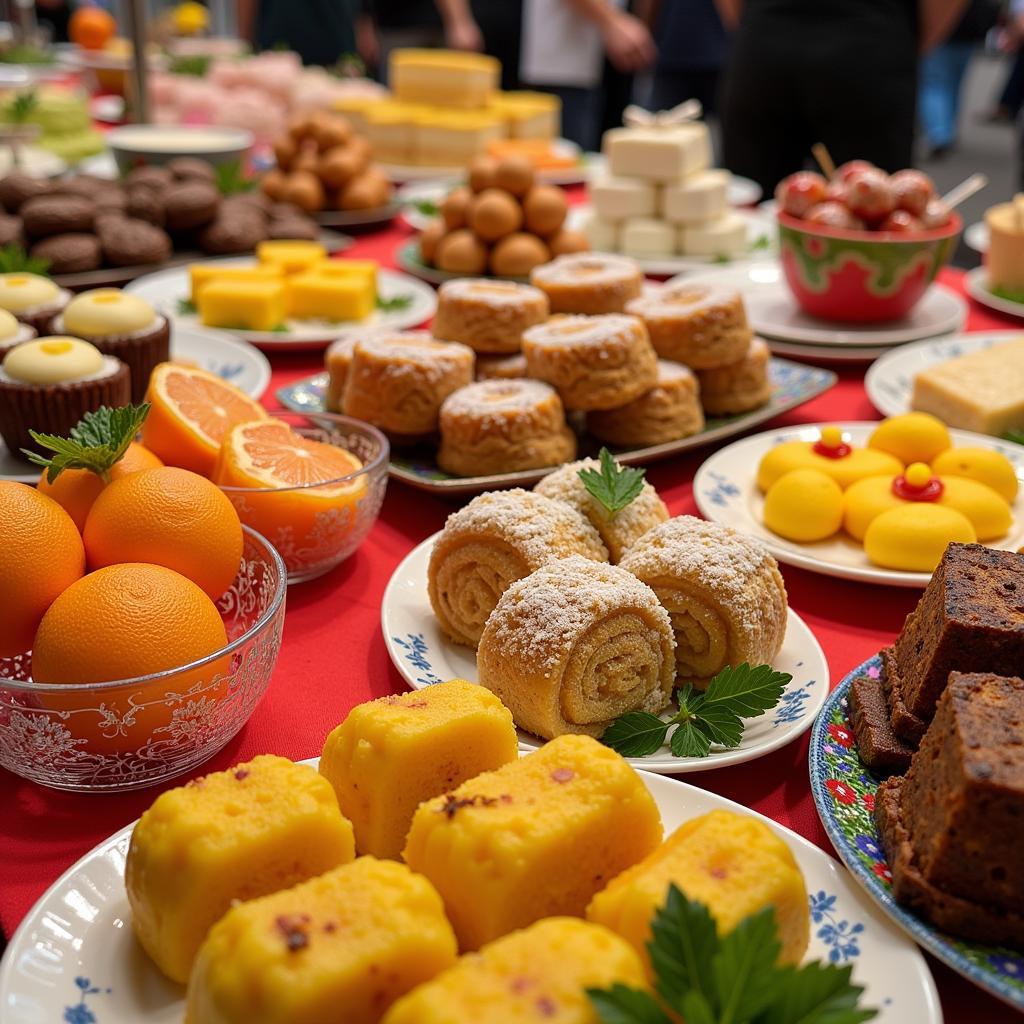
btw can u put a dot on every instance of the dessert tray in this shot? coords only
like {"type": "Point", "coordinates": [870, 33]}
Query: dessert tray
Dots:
{"type": "Point", "coordinates": [726, 492]}
{"type": "Point", "coordinates": [74, 957]}
{"type": "Point", "coordinates": [977, 287]}
{"type": "Point", "coordinates": [424, 655]}
{"type": "Point", "coordinates": [792, 385]}
{"type": "Point", "coordinates": [364, 220]}
{"type": "Point", "coordinates": [844, 794]}
{"type": "Point", "coordinates": [168, 291]}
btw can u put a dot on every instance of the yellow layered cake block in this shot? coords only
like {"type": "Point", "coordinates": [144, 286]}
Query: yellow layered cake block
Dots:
{"type": "Point", "coordinates": [541, 973]}
{"type": "Point", "coordinates": [356, 107]}
{"type": "Point", "coordinates": [365, 270]}
{"type": "Point", "coordinates": [452, 138]}
{"type": "Point", "coordinates": [318, 296]}
{"type": "Point", "coordinates": [233, 835]}
{"type": "Point", "coordinates": [389, 129]}
{"type": "Point", "coordinates": [247, 305]}
{"type": "Point", "coordinates": [341, 947]}
{"type": "Point", "coordinates": [392, 754]}
{"type": "Point", "coordinates": [535, 838]}
{"type": "Point", "coordinates": [529, 115]}
{"type": "Point", "coordinates": [201, 274]}
{"type": "Point", "coordinates": [445, 78]}
{"type": "Point", "coordinates": [733, 863]}
{"type": "Point", "coordinates": [292, 257]}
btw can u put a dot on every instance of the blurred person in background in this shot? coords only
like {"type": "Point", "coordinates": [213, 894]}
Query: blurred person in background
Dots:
{"type": "Point", "coordinates": [493, 27]}
{"type": "Point", "coordinates": [1011, 39]}
{"type": "Point", "coordinates": [386, 25]}
{"type": "Point", "coordinates": [319, 31]}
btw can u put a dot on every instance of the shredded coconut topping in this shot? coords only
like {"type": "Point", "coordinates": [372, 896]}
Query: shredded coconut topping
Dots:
{"type": "Point", "coordinates": [669, 371]}
{"type": "Point", "coordinates": [683, 300]}
{"type": "Point", "coordinates": [587, 267]}
{"type": "Point", "coordinates": [597, 331]}
{"type": "Point", "coordinates": [496, 293]}
{"type": "Point", "coordinates": [500, 397]}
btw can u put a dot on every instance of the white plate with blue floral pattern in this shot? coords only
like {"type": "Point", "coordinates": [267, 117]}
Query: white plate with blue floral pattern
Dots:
{"type": "Point", "coordinates": [725, 489]}
{"type": "Point", "coordinates": [424, 655]}
{"type": "Point", "coordinates": [74, 958]}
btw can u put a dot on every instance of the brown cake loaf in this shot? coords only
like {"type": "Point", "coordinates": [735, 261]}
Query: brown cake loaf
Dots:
{"type": "Point", "coordinates": [880, 748]}
{"type": "Point", "coordinates": [951, 827]}
{"type": "Point", "coordinates": [905, 725]}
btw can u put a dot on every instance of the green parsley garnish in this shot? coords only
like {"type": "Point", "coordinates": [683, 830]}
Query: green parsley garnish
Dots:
{"type": "Point", "coordinates": [96, 442]}
{"type": "Point", "coordinates": [231, 179]}
{"type": "Point", "coordinates": [195, 65]}
{"type": "Point", "coordinates": [395, 304]}
{"type": "Point", "coordinates": [276, 329]}
{"type": "Point", "coordinates": [712, 717]}
{"type": "Point", "coordinates": [427, 207]}
{"type": "Point", "coordinates": [14, 260]}
{"type": "Point", "coordinates": [20, 108]}
{"type": "Point", "coordinates": [761, 242]}
{"type": "Point", "coordinates": [731, 979]}
{"type": "Point", "coordinates": [613, 486]}
{"type": "Point", "coordinates": [186, 307]}
{"type": "Point", "coordinates": [1014, 435]}
{"type": "Point", "coordinates": [1010, 294]}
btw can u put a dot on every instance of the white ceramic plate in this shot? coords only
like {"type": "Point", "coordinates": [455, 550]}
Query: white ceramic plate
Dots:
{"type": "Point", "coordinates": [977, 288]}
{"type": "Point", "coordinates": [168, 288]}
{"type": "Point", "coordinates": [34, 161]}
{"type": "Point", "coordinates": [890, 382]}
{"type": "Point", "coordinates": [846, 354]}
{"type": "Point", "coordinates": [102, 165]}
{"type": "Point", "coordinates": [976, 236]}
{"type": "Point", "coordinates": [725, 489]}
{"type": "Point", "coordinates": [421, 652]}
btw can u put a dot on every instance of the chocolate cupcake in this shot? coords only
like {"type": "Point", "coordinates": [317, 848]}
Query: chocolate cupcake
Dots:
{"type": "Point", "coordinates": [50, 383]}
{"type": "Point", "coordinates": [128, 242]}
{"type": "Point", "coordinates": [72, 253]}
{"type": "Point", "coordinates": [120, 325]}
{"type": "Point", "coordinates": [33, 299]}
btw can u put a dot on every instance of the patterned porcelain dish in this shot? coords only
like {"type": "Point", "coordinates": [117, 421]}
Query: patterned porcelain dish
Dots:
{"type": "Point", "coordinates": [861, 276]}
{"type": "Point", "coordinates": [74, 958]}
{"type": "Point", "coordinates": [844, 795]}
{"type": "Point", "coordinates": [138, 732]}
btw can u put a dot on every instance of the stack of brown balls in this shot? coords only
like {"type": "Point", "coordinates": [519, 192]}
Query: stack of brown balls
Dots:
{"type": "Point", "coordinates": [503, 222]}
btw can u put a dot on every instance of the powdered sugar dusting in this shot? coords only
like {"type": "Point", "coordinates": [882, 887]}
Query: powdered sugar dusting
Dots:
{"type": "Point", "coordinates": [500, 397]}
{"type": "Point", "coordinates": [587, 267]}
{"type": "Point", "coordinates": [492, 293]}
{"type": "Point", "coordinates": [414, 353]}
{"type": "Point", "coordinates": [684, 300]}
{"type": "Point", "coordinates": [669, 371]}
{"type": "Point", "coordinates": [603, 331]}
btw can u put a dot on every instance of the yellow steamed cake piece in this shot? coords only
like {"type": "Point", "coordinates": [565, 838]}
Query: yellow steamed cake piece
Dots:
{"type": "Point", "coordinates": [201, 274]}
{"type": "Point", "coordinates": [912, 437]}
{"type": "Point", "coordinates": [987, 511]}
{"type": "Point", "coordinates": [313, 295]}
{"type": "Point", "coordinates": [804, 505]}
{"type": "Point", "coordinates": [535, 838]}
{"type": "Point", "coordinates": [732, 863]}
{"type": "Point", "coordinates": [913, 536]}
{"type": "Point", "coordinates": [364, 270]}
{"type": "Point", "coordinates": [232, 835]}
{"type": "Point", "coordinates": [541, 973]}
{"type": "Point", "coordinates": [291, 257]}
{"type": "Point", "coordinates": [865, 500]}
{"type": "Point", "coordinates": [981, 464]}
{"type": "Point", "coordinates": [341, 947]}
{"type": "Point", "coordinates": [392, 754]}
{"type": "Point", "coordinates": [246, 305]}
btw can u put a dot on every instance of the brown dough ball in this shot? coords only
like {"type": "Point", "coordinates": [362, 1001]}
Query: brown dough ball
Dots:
{"type": "Point", "coordinates": [493, 214]}
{"type": "Point", "coordinates": [273, 183]}
{"type": "Point", "coordinates": [482, 171]}
{"type": "Point", "coordinates": [285, 149]}
{"type": "Point", "coordinates": [87, 185]}
{"type": "Point", "coordinates": [301, 127]}
{"type": "Point", "coordinates": [461, 252]}
{"type": "Point", "coordinates": [363, 147]}
{"type": "Point", "coordinates": [110, 200]}
{"type": "Point", "coordinates": [146, 204]}
{"type": "Point", "coordinates": [303, 188]}
{"type": "Point", "coordinates": [233, 231]}
{"type": "Point", "coordinates": [190, 168]}
{"type": "Point", "coordinates": [429, 237]}
{"type": "Point", "coordinates": [563, 242]}
{"type": "Point", "coordinates": [367, 191]}
{"type": "Point", "coordinates": [248, 202]}
{"type": "Point", "coordinates": [544, 209]}
{"type": "Point", "coordinates": [293, 228]}
{"type": "Point", "coordinates": [454, 208]}
{"type": "Point", "coordinates": [307, 158]}
{"type": "Point", "coordinates": [127, 242]}
{"type": "Point", "coordinates": [514, 174]}
{"type": "Point", "coordinates": [190, 204]}
{"type": "Point", "coordinates": [331, 131]}
{"type": "Point", "coordinates": [338, 166]}
{"type": "Point", "coordinates": [18, 188]}
{"type": "Point", "coordinates": [11, 230]}
{"type": "Point", "coordinates": [69, 254]}
{"type": "Point", "coordinates": [150, 176]}
{"type": "Point", "coordinates": [57, 215]}
{"type": "Point", "coordinates": [518, 254]}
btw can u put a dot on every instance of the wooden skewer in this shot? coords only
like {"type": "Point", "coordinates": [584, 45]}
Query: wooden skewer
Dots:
{"type": "Point", "coordinates": [955, 196]}
{"type": "Point", "coordinates": [824, 158]}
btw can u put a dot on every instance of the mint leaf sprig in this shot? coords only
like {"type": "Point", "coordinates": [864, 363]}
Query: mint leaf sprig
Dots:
{"type": "Point", "coordinates": [394, 304]}
{"type": "Point", "coordinates": [14, 260]}
{"type": "Point", "coordinates": [714, 717]}
{"type": "Point", "coordinates": [612, 486]}
{"type": "Point", "coordinates": [1015, 435]}
{"type": "Point", "coordinates": [232, 180]}
{"type": "Point", "coordinates": [729, 979]}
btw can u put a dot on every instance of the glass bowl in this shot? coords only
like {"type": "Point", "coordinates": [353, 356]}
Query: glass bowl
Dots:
{"type": "Point", "coordinates": [138, 732]}
{"type": "Point", "coordinates": [317, 526]}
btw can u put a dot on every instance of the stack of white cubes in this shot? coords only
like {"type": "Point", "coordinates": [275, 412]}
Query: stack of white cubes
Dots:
{"type": "Point", "coordinates": [660, 198]}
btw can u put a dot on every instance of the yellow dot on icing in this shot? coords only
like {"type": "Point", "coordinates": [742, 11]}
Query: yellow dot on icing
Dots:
{"type": "Point", "coordinates": [918, 474]}
{"type": "Point", "coordinates": [55, 348]}
{"type": "Point", "coordinates": [831, 437]}
{"type": "Point", "coordinates": [52, 361]}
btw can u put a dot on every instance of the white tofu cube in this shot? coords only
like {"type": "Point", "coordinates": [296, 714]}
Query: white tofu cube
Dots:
{"type": "Point", "coordinates": [619, 198]}
{"type": "Point", "coordinates": [658, 154]}
{"type": "Point", "coordinates": [698, 199]}
{"type": "Point", "coordinates": [603, 235]}
{"type": "Point", "coordinates": [647, 236]}
{"type": "Point", "coordinates": [726, 236]}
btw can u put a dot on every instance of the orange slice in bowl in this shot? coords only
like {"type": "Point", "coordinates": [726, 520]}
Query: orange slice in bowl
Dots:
{"type": "Point", "coordinates": [191, 412]}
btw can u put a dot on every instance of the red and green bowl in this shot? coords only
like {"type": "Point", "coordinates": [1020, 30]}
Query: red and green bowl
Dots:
{"type": "Point", "coordinates": [861, 276]}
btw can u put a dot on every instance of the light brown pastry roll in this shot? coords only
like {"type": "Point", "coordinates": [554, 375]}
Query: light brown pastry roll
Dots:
{"type": "Point", "coordinates": [501, 426]}
{"type": "Point", "coordinates": [512, 367]}
{"type": "Point", "coordinates": [669, 411]}
{"type": "Point", "coordinates": [722, 590]}
{"type": "Point", "coordinates": [618, 531]}
{"type": "Point", "coordinates": [398, 381]}
{"type": "Point", "coordinates": [337, 360]}
{"type": "Point", "coordinates": [488, 316]}
{"type": "Point", "coordinates": [699, 325]}
{"type": "Point", "coordinates": [498, 538]}
{"type": "Point", "coordinates": [589, 282]}
{"type": "Point", "coordinates": [576, 644]}
{"type": "Point", "coordinates": [739, 387]}
{"type": "Point", "coordinates": [595, 362]}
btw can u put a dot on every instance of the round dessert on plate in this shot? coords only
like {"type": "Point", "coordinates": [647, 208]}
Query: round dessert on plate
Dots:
{"type": "Point", "coordinates": [13, 332]}
{"type": "Point", "coordinates": [35, 300]}
{"type": "Point", "coordinates": [589, 282]}
{"type": "Point", "coordinates": [489, 316]}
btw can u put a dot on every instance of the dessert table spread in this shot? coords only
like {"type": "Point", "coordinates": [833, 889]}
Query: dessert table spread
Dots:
{"type": "Point", "coordinates": [333, 657]}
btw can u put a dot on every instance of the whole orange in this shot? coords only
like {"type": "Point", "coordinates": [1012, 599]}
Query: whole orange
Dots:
{"type": "Point", "coordinates": [75, 490]}
{"type": "Point", "coordinates": [169, 517]}
{"type": "Point", "coordinates": [41, 555]}
{"type": "Point", "coordinates": [91, 27]}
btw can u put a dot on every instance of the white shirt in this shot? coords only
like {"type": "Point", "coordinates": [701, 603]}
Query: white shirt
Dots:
{"type": "Point", "coordinates": [560, 46]}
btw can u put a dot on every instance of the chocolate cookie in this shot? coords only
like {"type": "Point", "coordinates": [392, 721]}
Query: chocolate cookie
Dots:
{"type": "Point", "coordinates": [110, 200]}
{"type": "Point", "coordinates": [69, 254]}
{"type": "Point", "coordinates": [87, 185]}
{"type": "Point", "coordinates": [190, 168]}
{"type": "Point", "coordinates": [287, 228]}
{"type": "Point", "coordinates": [152, 177]}
{"type": "Point", "coordinates": [18, 188]}
{"type": "Point", "coordinates": [248, 201]}
{"type": "Point", "coordinates": [233, 231]}
{"type": "Point", "coordinates": [57, 215]}
{"type": "Point", "coordinates": [127, 242]}
{"type": "Point", "coordinates": [11, 230]}
{"type": "Point", "coordinates": [192, 204]}
{"type": "Point", "coordinates": [146, 204]}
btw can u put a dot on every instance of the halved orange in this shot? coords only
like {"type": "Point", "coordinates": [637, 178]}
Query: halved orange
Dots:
{"type": "Point", "coordinates": [191, 412]}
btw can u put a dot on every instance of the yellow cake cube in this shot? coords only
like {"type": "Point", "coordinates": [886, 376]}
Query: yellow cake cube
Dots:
{"type": "Point", "coordinates": [389, 130]}
{"type": "Point", "coordinates": [201, 274]}
{"type": "Point", "coordinates": [245, 305]}
{"type": "Point", "coordinates": [341, 947]}
{"type": "Point", "coordinates": [535, 838]}
{"type": "Point", "coordinates": [529, 115]}
{"type": "Point", "coordinates": [355, 106]}
{"type": "Point", "coordinates": [392, 754]}
{"type": "Point", "coordinates": [731, 862]}
{"type": "Point", "coordinates": [317, 296]}
{"type": "Point", "coordinates": [541, 973]}
{"type": "Point", "coordinates": [445, 78]}
{"type": "Point", "coordinates": [450, 138]}
{"type": "Point", "coordinates": [292, 257]}
{"type": "Point", "coordinates": [232, 835]}
{"type": "Point", "coordinates": [365, 270]}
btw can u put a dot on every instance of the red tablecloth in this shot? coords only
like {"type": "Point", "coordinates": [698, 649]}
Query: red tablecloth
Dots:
{"type": "Point", "coordinates": [333, 657]}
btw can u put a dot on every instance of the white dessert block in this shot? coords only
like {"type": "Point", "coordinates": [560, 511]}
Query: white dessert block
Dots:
{"type": "Point", "coordinates": [658, 154]}
{"type": "Point", "coordinates": [725, 236]}
{"type": "Point", "coordinates": [603, 235]}
{"type": "Point", "coordinates": [698, 199]}
{"type": "Point", "coordinates": [647, 236]}
{"type": "Point", "coordinates": [619, 198]}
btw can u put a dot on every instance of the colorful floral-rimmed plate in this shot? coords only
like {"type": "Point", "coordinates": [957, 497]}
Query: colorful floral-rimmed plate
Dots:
{"type": "Point", "coordinates": [792, 385]}
{"type": "Point", "coordinates": [725, 489]}
{"type": "Point", "coordinates": [74, 958]}
{"type": "Point", "coordinates": [424, 655]}
{"type": "Point", "coordinates": [844, 795]}
{"type": "Point", "coordinates": [978, 289]}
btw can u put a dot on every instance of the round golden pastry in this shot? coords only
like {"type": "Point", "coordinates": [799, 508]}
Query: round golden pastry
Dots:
{"type": "Point", "coordinates": [618, 531]}
{"type": "Point", "coordinates": [488, 316]}
{"type": "Point", "coordinates": [511, 367]}
{"type": "Point", "coordinates": [398, 381]}
{"type": "Point", "coordinates": [595, 362]}
{"type": "Point", "coordinates": [35, 300]}
{"type": "Point", "coordinates": [498, 538]}
{"type": "Point", "coordinates": [502, 426]}
{"type": "Point", "coordinates": [589, 282]}
{"type": "Point", "coordinates": [739, 387]}
{"type": "Point", "coordinates": [337, 360]}
{"type": "Point", "coordinates": [700, 325]}
{"type": "Point", "coordinates": [669, 411]}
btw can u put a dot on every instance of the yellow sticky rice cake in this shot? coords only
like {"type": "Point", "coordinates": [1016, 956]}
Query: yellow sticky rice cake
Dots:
{"type": "Point", "coordinates": [535, 838]}
{"type": "Point", "coordinates": [233, 835]}
{"type": "Point", "coordinates": [733, 863]}
{"type": "Point", "coordinates": [538, 974]}
{"type": "Point", "coordinates": [391, 754]}
{"type": "Point", "coordinates": [341, 947]}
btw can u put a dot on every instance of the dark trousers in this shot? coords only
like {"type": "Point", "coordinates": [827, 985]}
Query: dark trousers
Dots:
{"type": "Point", "coordinates": [670, 88]}
{"type": "Point", "coordinates": [1012, 96]}
{"type": "Point", "coordinates": [588, 113]}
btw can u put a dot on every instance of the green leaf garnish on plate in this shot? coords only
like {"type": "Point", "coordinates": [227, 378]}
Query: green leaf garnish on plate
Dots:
{"type": "Point", "coordinates": [427, 207]}
{"type": "Point", "coordinates": [613, 486]}
{"type": "Point", "coordinates": [395, 304]}
{"type": "Point", "coordinates": [1015, 435]}
{"type": "Point", "coordinates": [1010, 294]}
{"type": "Point", "coordinates": [14, 260]}
{"type": "Point", "coordinates": [232, 179]}
{"type": "Point", "coordinates": [186, 307]}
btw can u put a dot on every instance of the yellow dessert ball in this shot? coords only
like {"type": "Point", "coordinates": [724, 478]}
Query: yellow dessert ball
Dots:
{"type": "Point", "coordinates": [865, 500]}
{"type": "Point", "coordinates": [859, 463]}
{"type": "Point", "coordinates": [913, 437]}
{"type": "Point", "coordinates": [914, 536]}
{"type": "Point", "coordinates": [987, 511]}
{"type": "Point", "coordinates": [981, 464]}
{"type": "Point", "coordinates": [804, 505]}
